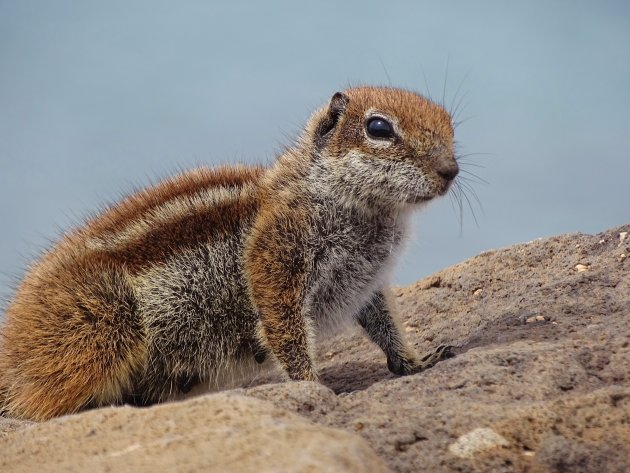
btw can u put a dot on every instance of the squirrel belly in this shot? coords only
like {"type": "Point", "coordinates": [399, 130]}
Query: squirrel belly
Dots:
{"type": "Point", "coordinates": [205, 277]}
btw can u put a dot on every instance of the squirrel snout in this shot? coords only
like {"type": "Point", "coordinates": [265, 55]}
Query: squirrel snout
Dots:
{"type": "Point", "coordinates": [447, 167]}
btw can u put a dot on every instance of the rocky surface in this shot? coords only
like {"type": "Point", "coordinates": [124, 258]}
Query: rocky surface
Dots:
{"type": "Point", "coordinates": [211, 433]}
{"type": "Point", "coordinates": [541, 383]}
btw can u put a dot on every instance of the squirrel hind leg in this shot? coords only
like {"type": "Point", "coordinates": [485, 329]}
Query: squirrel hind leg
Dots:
{"type": "Point", "coordinates": [70, 342]}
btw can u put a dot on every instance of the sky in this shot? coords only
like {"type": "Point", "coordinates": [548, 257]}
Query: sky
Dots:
{"type": "Point", "coordinates": [98, 98]}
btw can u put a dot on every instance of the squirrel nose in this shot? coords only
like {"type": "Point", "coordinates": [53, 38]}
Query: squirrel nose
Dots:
{"type": "Point", "coordinates": [447, 168]}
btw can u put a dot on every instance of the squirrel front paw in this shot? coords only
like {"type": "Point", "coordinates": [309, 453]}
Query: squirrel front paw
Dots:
{"type": "Point", "coordinates": [407, 365]}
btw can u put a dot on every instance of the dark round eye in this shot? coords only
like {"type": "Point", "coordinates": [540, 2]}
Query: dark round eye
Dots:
{"type": "Point", "coordinates": [378, 127]}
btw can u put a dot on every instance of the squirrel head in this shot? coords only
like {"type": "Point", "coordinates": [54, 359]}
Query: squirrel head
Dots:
{"type": "Point", "coordinates": [384, 146]}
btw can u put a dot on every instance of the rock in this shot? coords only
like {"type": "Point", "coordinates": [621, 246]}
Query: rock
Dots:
{"type": "Point", "coordinates": [476, 441]}
{"type": "Point", "coordinates": [551, 395]}
{"type": "Point", "coordinates": [305, 397]}
{"type": "Point", "coordinates": [581, 267]}
{"type": "Point", "coordinates": [558, 453]}
{"type": "Point", "coordinates": [215, 433]}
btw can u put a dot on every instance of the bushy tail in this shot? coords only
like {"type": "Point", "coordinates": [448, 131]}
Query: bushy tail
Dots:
{"type": "Point", "coordinates": [70, 341]}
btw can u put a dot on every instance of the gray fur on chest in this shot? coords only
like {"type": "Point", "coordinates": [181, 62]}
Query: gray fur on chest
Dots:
{"type": "Point", "coordinates": [352, 254]}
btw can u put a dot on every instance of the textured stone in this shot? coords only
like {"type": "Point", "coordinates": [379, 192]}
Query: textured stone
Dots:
{"type": "Point", "coordinates": [476, 441]}
{"type": "Point", "coordinates": [220, 433]}
{"type": "Point", "coordinates": [556, 389]}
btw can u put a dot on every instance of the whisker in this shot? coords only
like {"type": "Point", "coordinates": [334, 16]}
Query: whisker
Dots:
{"type": "Point", "coordinates": [473, 177]}
{"type": "Point", "coordinates": [470, 206]}
{"type": "Point", "coordinates": [467, 187]}
{"type": "Point", "coordinates": [444, 84]}
{"type": "Point", "coordinates": [389, 80]}
{"type": "Point", "coordinates": [460, 106]}
{"type": "Point", "coordinates": [468, 163]}
{"type": "Point", "coordinates": [459, 86]}
{"type": "Point", "coordinates": [457, 191]}
{"type": "Point", "coordinates": [426, 84]}
{"type": "Point", "coordinates": [466, 155]}
{"type": "Point", "coordinates": [463, 191]}
{"type": "Point", "coordinates": [463, 120]}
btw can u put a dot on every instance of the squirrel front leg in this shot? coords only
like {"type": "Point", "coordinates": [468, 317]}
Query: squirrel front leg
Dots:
{"type": "Point", "coordinates": [379, 320]}
{"type": "Point", "coordinates": [289, 337]}
{"type": "Point", "coordinates": [275, 268]}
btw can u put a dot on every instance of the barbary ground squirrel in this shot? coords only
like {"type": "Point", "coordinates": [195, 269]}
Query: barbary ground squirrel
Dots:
{"type": "Point", "coordinates": [209, 272]}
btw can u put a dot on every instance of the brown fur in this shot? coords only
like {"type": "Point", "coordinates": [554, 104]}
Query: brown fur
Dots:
{"type": "Point", "coordinates": [85, 325]}
{"type": "Point", "coordinates": [186, 184]}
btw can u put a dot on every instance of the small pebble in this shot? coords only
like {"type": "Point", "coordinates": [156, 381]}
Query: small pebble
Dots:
{"type": "Point", "coordinates": [602, 241]}
{"type": "Point", "coordinates": [535, 318]}
{"type": "Point", "coordinates": [478, 292]}
{"type": "Point", "coordinates": [622, 237]}
{"type": "Point", "coordinates": [581, 267]}
{"type": "Point", "coordinates": [477, 441]}
{"type": "Point", "coordinates": [622, 257]}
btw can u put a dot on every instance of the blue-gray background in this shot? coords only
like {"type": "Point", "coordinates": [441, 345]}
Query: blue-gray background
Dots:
{"type": "Point", "coordinates": [97, 97]}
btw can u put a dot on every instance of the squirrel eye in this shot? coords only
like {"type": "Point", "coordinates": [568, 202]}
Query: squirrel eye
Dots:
{"type": "Point", "coordinates": [378, 127]}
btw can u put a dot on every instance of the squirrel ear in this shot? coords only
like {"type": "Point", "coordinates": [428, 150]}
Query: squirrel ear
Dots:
{"type": "Point", "coordinates": [336, 108]}
{"type": "Point", "coordinates": [338, 104]}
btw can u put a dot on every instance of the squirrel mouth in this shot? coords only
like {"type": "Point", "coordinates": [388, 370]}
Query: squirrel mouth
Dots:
{"type": "Point", "coordinates": [446, 187]}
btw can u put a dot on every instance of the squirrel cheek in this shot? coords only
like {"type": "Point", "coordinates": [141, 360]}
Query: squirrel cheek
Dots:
{"type": "Point", "coordinates": [378, 145]}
